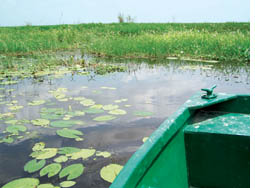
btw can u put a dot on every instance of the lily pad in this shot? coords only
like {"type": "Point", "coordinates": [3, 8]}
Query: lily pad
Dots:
{"type": "Point", "coordinates": [67, 183]}
{"type": "Point", "coordinates": [12, 121]}
{"type": "Point", "coordinates": [87, 102]}
{"type": "Point", "coordinates": [73, 171]}
{"type": "Point", "coordinates": [83, 153]}
{"type": "Point", "coordinates": [110, 88]}
{"type": "Point", "coordinates": [69, 133]}
{"type": "Point", "coordinates": [22, 183]}
{"type": "Point", "coordinates": [40, 122]}
{"type": "Point", "coordinates": [104, 118]}
{"type": "Point", "coordinates": [59, 111]}
{"type": "Point", "coordinates": [16, 107]}
{"type": "Point", "coordinates": [51, 116]}
{"type": "Point", "coordinates": [51, 169]}
{"type": "Point", "coordinates": [33, 165]}
{"type": "Point", "coordinates": [109, 172]}
{"type": "Point", "coordinates": [97, 106]}
{"type": "Point", "coordinates": [63, 123]}
{"type": "Point", "coordinates": [61, 159]}
{"type": "Point", "coordinates": [94, 111]}
{"type": "Point", "coordinates": [38, 146]}
{"type": "Point", "coordinates": [143, 113]}
{"type": "Point", "coordinates": [46, 185]}
{"type": "Point", "coordinates": [45, 153]}
{"type": "Point", "coordinates": [68, 150]}
{"type": "Point", "coordinates": [117, 112]}
{"type": "Point", "coordinates": [110, 107]}
{"type": "Point", "coordinates": [8, 140]}
{"type": "Point", "coordinates": [104, 154]}
{"type": "Point", "coordinates": [36, 102]}
{"type": "Point", "coordinates": [145, 138]}
{"type": "Point", "coordinates": [16, 128]}
{"type": "Point", "coordinates": [76, 113]}
{"type": "Point", "coordinates": [9, 82]}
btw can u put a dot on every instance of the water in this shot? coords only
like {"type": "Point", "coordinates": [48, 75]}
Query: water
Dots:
{"type": "Point", "coordinates": [150, 86]}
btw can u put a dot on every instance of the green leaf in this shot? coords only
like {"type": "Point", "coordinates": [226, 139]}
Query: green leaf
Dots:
{"type": "Point", "coordinates": [61, 159]}
{"type": "Point", "coordinates": [65, 123]}
{"type": "Point", "coordinates": [109, 172]}
{"type": "Point", "coordinates": [117, 112]}
{"type": "Point", "coordinates": [67, 183]}
{"type": "Point", "coordinates": [69, 133]}
{"type": "Point", "coordinates": [142, 113]}
{"type": "Point", "coordinates": [45, 153]}
{"type": "Point", "coordinates": [8, 140]}
{"type": "Point", "coordinates": [73, 171]}
{"type": "Point", "coordinates": [58, 111]}
{"type": "Point", "coordinates": [16, 128]}
{"type": "Point", "coordinates": [38, 146]}
{"type": "Point", "coordinates": [110, 107]}
{"type": "Point", "coordinates": [51, 116]}
{"type": "Point", "coordinates": [104, 154]}
{"type": "Point", "coordinates": [104, 118]}
{"type": "Point", "coordinates": [46, 185]}
{"type": "Point", "coordinates": [83, 153]}
{"type": "Point", "coordinates": [94, 111]}
{"type": "Point", "coordinates": [51, 169]}
{"type": "Point", "coordinates": [87, 102]}
{"type": "Point", "coordinates": [68, 150]}
{"type": "Point", "coordinates": [22, 183]}
{"type": "Point", "coordinates": [36, 102]}
{"type": "Point", "coordinates": [33, 165]}
{"type": "Point", "coordinates": [40, 122]}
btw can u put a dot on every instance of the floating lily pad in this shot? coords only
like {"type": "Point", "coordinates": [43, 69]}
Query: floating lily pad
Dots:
{"type": "Point", "coordinates": [8, 140]}
{"type": "Point", "coordinates": [110, 107]}
{"type": "Point", "coordinates": [104, 154]}
{"type": "Point", "coordinates": [142, 113]}
{"type": "Point", "coordinates": [46, 185]}
{"type": "Point", "coordinates": [110, 88]}
{"type": "Point", "coordinates": [12, 121]}
{"type": "Point", "coordinates": [145, 138]}
{"type": "Point", "coordinates": [97, 106]}
{"type": "Point", "coordinates": [16, 107]}
{"type": "Point", "coordinates": [69, 133]}
{"type": "Point", "coordinates": [22, 183]}
{"type": "Point", "coordinates": [59, 111]}
{"type": "Point", "coordinates": [61, 159]}
{"type": "Point", "coordinates": [16, 128]}
{"type": "Point", "coordinates": [83, 153]}
{"type": "Point", "coordinates": [127, 105]}
{"type": "Point", "coordinates": [67, 183]}
{"type": "Point", "coordinates": [73, 171]}
{"type": "Point", "coordinates": [38, 146]}
{"type": "Point", "coordinates": [68, 150]}
{"type": "Point", "coordinates": [79, 98]}
{"type": "Point", "coordinates": [76, 113]}
{"type": "Point", "coordinates": [51, 169]}
{"type": "Point", "coordinates": [9, 82]}
{"type": "Point", "coordinates": [33, 165]}
{"type": "Point", "coordinates": [87, 102]}
{"type": "Point", "coordinates": [94, 111]}
{"type": "Point", "coordinates": [104, 118]}
{"type": "Point", "coordinates": [36, 102]}
{"type": "Point", "coordinates": [120, 100]}
{"type": "Point", "coordinates": [117, 112]}
{"type": "Point", "coordinates": [40, 122]}
{"type": "Point", "coordinates": [109, 173]}
{"type": "Point", "coordinates": [63, 123]}
{"type": "Point", "coordinates": [51, 116]}
{"type": "Point", "coordinates": [45, 153]}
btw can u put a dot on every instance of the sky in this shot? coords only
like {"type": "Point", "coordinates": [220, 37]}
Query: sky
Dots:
{"type": "Point", "coordinates": [51, 12]}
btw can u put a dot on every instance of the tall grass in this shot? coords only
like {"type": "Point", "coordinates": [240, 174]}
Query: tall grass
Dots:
{"type": "Point", "coordinates": [218, 41]}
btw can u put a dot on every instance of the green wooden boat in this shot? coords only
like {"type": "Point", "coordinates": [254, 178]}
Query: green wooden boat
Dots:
{"type": "Point", "coordinates": [205, 144]}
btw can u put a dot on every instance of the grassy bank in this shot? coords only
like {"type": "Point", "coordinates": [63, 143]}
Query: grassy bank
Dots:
{"type": "Point", "coordinates": [220, 41]}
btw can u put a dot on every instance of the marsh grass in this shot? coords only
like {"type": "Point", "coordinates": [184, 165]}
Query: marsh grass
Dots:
{"type": "Point", "coordinates": [217, 41]}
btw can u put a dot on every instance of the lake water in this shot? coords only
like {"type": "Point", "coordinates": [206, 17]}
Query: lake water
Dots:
{"type": "Point", "coordinates": [147, 93]}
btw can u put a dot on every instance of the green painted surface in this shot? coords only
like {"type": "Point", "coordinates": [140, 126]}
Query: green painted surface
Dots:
{"type": "Point", "coordinates": [161, 160]}
{"type": "Point", "coordinates": [220, 123]}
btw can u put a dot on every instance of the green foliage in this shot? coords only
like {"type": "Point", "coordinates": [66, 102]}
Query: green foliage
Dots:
{"type": "Point", "coordinates": [142, 113]}
{"type": "Point", "coordinates": [72, 171]}
{"type": "Point", "coordinates": [219, 41]}
{"type": "Point", "coordinates": [33, 165]}
{"type": "Point", "coordinates": [68, 150]}
{"type": "Point", "coordinates": [69, 133]}
{"type": "Point", "coordinates": [104, 118]}
{"type": "Point", "coordinates": [22, 183]}
{"type": "Point", "coordinates": [51, 169]}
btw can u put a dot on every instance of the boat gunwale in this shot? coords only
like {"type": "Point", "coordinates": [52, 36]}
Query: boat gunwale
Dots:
{"type": "Point", "coordinates": [138, 164]}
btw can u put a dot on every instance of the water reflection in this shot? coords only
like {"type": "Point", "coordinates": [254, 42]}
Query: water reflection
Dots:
{"type": "Point", "coordinates": [159, 87]}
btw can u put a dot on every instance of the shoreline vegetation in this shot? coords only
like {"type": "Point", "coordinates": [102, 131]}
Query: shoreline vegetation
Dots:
{"type": "Point", "coordinates": [206, 41]}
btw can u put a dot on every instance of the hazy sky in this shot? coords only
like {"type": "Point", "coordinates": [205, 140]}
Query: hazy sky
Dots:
{"type": "Point", "coordinates": [46, 12]}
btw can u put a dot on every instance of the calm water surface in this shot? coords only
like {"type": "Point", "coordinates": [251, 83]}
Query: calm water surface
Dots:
{"type": "Point", "coordinates": [155, 87]}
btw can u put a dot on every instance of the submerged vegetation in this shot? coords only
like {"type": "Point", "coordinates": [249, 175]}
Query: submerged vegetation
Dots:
{"type": "Point", "coordinates": [212, 41]}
